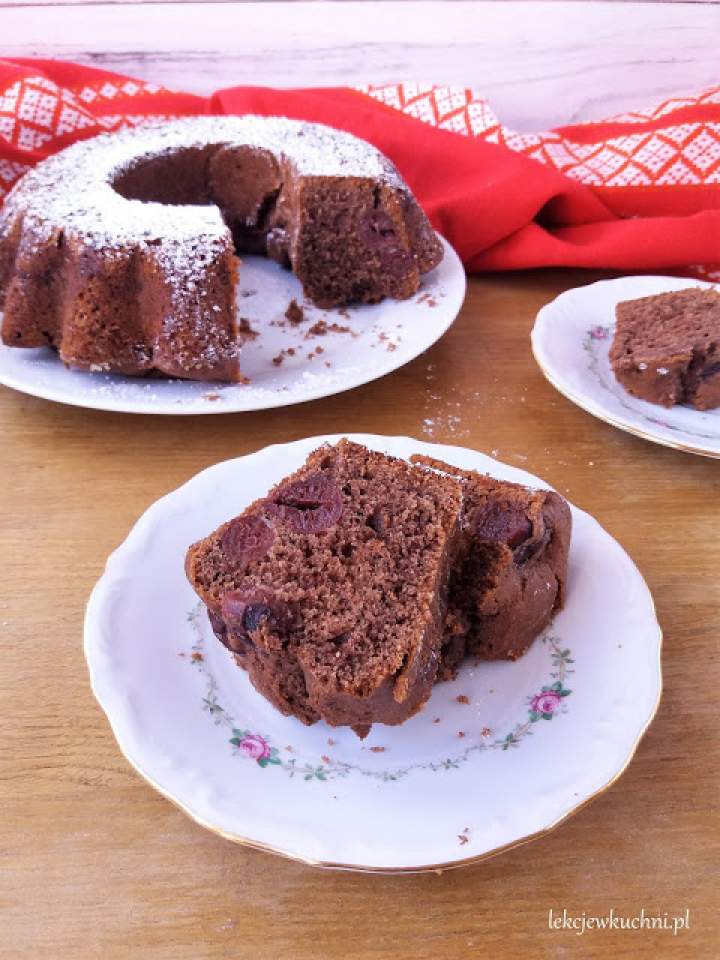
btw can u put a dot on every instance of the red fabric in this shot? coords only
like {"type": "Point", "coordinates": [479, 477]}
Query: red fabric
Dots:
{"type": "Point", "coordinates": [638, 192]}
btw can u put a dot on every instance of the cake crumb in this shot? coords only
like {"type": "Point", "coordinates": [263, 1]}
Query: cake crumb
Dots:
{"type": "Point", "coordinates": [461, 733]}
{"type": "Point", "coordinates": [295, 313]}
{"type": "Point", "coordinates": [286, 352]}
{"type": "Point", "coordinates": [325, 758]}
{"type": "Point", "coordinates": [247, 330]}
{"type": "Point", "coordinates": [211, 396]}
{"type": "Point", "coordinates": [436, 720]}
{"type": "Point", "coordinates": [427, 298]}
{"type": "Point", "coordinates": [485, 732]}
{"type": "Point", "coordinates": [321, 328]}
{"type": "Point", "coordinates": [377, 749]}
{"type": "Point", "coordinates": [318, 329]}
{"type": "Point", "coordinates": [462, 698]}
{"type": "Point", "coordinates": [331, 742]}
{"type": "Point", "coordinates": [385, 339]}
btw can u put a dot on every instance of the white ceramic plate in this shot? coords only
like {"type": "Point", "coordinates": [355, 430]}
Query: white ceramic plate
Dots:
{"type": "Point", "coordinates": [461, 780]}
{"type": "Point", "coordinates": [571, 341]}
{"type": "Point", "coordinates": [374, 340]}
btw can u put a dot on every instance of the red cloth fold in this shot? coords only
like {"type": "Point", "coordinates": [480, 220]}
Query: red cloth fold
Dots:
{"type": "Point", "coordinates": [636, 192]}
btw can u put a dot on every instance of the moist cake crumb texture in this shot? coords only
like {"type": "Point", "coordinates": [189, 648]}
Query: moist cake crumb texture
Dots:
{"type": "Point", "coordinates": [332, 590]}
{"type": "Point", "coordinates": [510, 579]}
{"type": "Point", "coordinates": [360, 580]}
{"type": "Point", "coordinates": [666, 348]}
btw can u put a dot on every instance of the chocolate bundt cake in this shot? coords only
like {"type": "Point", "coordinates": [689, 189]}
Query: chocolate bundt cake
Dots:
{"type": "Point", "coordinates": [120, 251]}
{"type": "Point", "coordinates": [666, 348]}
{"type": "Point", "coordinates": [510, 580]}
{"type": "Point", "coordinates": [331, 591]}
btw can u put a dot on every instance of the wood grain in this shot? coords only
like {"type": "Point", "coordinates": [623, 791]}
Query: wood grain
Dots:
{"type": "Point", "coordinates": [95, 864]}
{"type": "Point", "coordinates": [567, 62]}
{"type": "Point", "coordinates": [87, 3]}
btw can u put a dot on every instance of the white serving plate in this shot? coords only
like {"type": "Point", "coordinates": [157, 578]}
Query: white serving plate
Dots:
{"type": "Point", "coordinates": [379, 339]}
{"type": "Point", "coordinates": [571, 340]}
{"type": "Point", "coordinates": [457, 783]}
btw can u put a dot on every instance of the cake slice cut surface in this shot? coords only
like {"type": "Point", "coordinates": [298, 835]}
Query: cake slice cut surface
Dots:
{"type": "Point", "coordinates": [120, 251]}
{"type": "Point", "coordinates": [666, 348]}
{"type": "Point", "coordinates": [510, 579]}
{"type": "Point", "coordinates": [332, 590]}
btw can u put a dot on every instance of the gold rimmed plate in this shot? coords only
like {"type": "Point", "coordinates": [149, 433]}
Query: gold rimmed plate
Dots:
{"type": "Point", "coordinates": [500, 755]}
{"type": "Point", "coordinates": [327, 352]}
{"type": "Point", "coordinates": [571, 341]}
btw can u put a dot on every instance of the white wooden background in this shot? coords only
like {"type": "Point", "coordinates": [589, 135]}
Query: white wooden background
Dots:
{"type": "Point", "coordinates": [539, 63]}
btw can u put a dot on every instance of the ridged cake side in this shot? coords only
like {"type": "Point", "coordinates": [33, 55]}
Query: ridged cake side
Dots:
{"type": "Point", "coordinates": [120, 251]}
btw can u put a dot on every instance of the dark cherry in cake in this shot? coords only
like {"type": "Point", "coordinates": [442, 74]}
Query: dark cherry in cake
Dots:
{"type": "Point", "coordinates": [666, 348]}
{"type": "Point", "coordinates": [510, 580]}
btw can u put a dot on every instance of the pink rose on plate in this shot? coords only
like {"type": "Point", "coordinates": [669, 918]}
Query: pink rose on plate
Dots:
{"type": "Point", "coordinates": [546, 702]}
{"type": "Point", "coordinates": [599, 333]}
{"type": "Point", "coordinates": [254, 746]}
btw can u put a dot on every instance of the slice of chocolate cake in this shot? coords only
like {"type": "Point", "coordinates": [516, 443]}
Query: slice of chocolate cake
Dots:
{"type": "Point", "coordinates": [331, 591]}
{"type": "Point", "coordinates": [666, 348]}
{"type": "Point", "coordinates": [510, 581]}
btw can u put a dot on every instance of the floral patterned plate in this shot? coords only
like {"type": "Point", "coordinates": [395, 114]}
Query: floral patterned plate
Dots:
{"type": "Point", "coordinates": [503, 753]}
{"type": "Point", "coordinates": [571, 341]}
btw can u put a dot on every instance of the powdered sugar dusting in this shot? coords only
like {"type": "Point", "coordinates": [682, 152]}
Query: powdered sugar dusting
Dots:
{"type": "Point", "coordinates": [94, 210]}
{"type": "Point", "coordinates": [70, 200]}
{"type": "Point", "coordinates": [354, 357]}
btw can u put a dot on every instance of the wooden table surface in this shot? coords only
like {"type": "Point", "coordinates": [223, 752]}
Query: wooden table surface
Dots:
{"type": "Point", "coordinates": [96, 864]}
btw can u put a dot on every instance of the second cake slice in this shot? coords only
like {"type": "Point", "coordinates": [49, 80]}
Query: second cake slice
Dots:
{"type": "Point", "coordinates": [331, 591]}
{"type": "Point", "coordinates": [510, 580]}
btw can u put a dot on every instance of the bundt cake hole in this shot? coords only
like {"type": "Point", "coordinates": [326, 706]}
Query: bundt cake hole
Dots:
{"type": "Point", "coordinates": [186, 177]}
{"type": "Point", "coordinates": [176, 178]}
